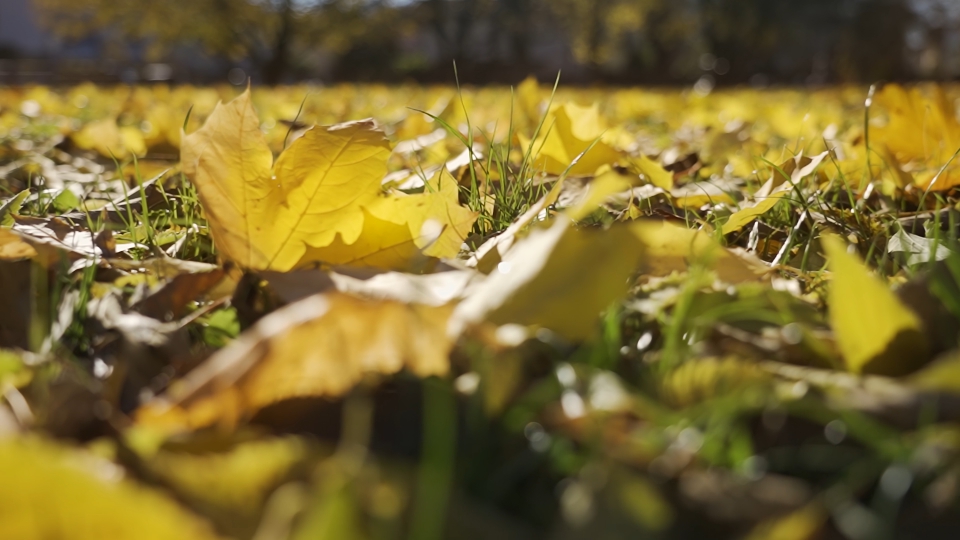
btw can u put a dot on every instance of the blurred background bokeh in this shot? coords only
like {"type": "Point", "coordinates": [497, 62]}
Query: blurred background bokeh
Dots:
{"type": "Point", "coordinates": [653, 42]}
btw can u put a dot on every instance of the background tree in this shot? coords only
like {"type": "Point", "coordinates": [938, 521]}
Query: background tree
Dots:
{"type": "Point", "coordinates": [270, 34]}
{"type": "Point", "coordinates": [615, 41]}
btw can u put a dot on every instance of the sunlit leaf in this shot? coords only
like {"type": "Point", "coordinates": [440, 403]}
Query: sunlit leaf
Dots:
{"type": "Point", "coordinates": [320, 346]}
{"type": "Point", "coordinates": [398, 228]}
{"type": "Point", "coordinates": [12, 247]}
{"type": "Point", "coordinates": [559, 278]}
{"type": "Point", "coordinates": [266, 217]}
{"type": "Point", "coordinates": [653, 172]}
{"type": "Point", "coordinates": [922, 127]}
{"type": "Point", "coordinates": [673, 247]}
{"type": "Point", "coordinates": [875, 331]}
{"type": "Point", "coordinates": [110, 140]}
{"type": "Point", "coordinates": [228, 482]}
{"type": "Point", "coordinates": [568, 131]}
{"type": "Point", "coordinates": [50, 491]}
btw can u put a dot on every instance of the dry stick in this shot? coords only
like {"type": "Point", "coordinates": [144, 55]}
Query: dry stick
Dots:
{"type": "Point", "coordinates": [786, 245]}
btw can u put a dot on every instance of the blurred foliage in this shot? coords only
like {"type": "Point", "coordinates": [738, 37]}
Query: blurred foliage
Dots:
{"type": "Point", "coordinates": [624, 41]}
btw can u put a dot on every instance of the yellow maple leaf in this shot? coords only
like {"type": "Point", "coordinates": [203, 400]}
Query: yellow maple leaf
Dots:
{"type": "Point", "coordinates": [919, 127]}
{"type": "Point", "coordinates": [381, 244]}
{"type": "Point", "coordinates": [875, 331]}
{"type": "Point", "coordinates": [569, 131]}
{"type": "Point", "coordinates": [400, 229]}
{"type": "Point", "coordinates": [922, 128]}
{"type": "Point", "coordinates": [265, 217]}
{"type": "Point", "coordinates": [319, 346]}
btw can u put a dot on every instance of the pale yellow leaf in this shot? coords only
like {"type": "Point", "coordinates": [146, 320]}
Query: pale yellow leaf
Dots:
{"type": "Point", "coordinates": [559, 278]}
{"type": "Point", "coordinates": [643, 501]}
{"type": "Point", "coordinates": [748, 213]}
{"type": "Point", "coordinates": [228, 480]}
{"type": "Point", "coordinates": [382, 244]}
{"type": "Point", "coordinates": [325, 177]}
{"type": "Point", "coordinates": [922, 128]}
{"type": "Point", "coordinates": [874, 330]}
{"type": "Point", "coordinates": [528, 99]}
{"type": "Point", "coordinates": [942, 375]}
{"type": "Point", "coordinates": [672, 248]}
{"type": "Point", "coordinates": [774, 190]}
{"type": "Point", "coordinates": [49, 491]}
{"type": "Point", "coordinates": [600, 188]}
{"type": "Point", "coordinates": [653, 172]}
{"type": "Point", "coordinates": [110, 140]}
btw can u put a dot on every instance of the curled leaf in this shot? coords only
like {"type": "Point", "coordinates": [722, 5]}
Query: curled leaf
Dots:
{"type": "Point", "coordinates": [320, 346]}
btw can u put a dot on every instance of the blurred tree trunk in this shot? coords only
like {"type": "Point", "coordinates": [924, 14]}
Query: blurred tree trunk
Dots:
{"type": "Point", "coordinates": [516, 17]}
{"type": "Point", "coordinates": [278, 63]}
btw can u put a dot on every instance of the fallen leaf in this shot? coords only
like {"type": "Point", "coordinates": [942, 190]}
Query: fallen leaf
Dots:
{"type": "Point", "coordinates": [697, 194]}
{"type": "Point", "coordinates": [110, 140]}
{"type": "Point", "coordinates": [559, 278]}
{"type": "Point", "coordinates": [12, 207]}
{"type": "Point", "coordinates": [434, 289]}
{"type": "Point", "coordinates": [529, 100]}
{"type": "Point", "coordinates": [229, 481]}
{"type": "Point", "coordinates": [652, 171]}
{"type": "Point", "coordinates": [12, 247]}
{"type": "Point", "coordinates": [672, 248]}
{"type": "Point", "coordinates": [922, 127]}
{"type": "Point", "coordinates": [49, 491]}
{"type": "Point", "coordinates": [774, 190]}
{"type": "Point", "coordinates": [942, 375]}
{"type": "Point", "coordinates": [569, 131]}
{"type": "Point", "coordinates": [398, 228]}
{"type": "Point", "coordinates": [876, 333]}
{"type": "Point", "coordinates": [602, 187]}
{"type": "Point", "coordinates": [918, 249]}
{"type": "Point", "coordinates": [318, 347]}
{"type": "Point", "coordinates": [265, 217]}
{"type": "Point", "coordinates": [803, 524]}
{"type": "Point", "coordinates": [170, 301]}
{"type": "Point", "coordinates": [382, 244]}
{"type": "Point", "coordinates": [747, 213]}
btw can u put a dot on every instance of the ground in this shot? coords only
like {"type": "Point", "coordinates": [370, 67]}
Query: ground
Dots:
{"type": "Point", "coordinates": [537, 312]}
